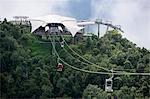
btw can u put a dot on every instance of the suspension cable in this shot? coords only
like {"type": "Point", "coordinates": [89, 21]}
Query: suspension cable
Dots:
{"type": "Point", "coordinates": [78, 59]}
{"type": "Point", "coordinates": [87, 71]}
{"type": "Point", "coordinates": [85, 62]}
{"type": "Point", "coordinates": [75, 57]}
{"type": "Point", "coordinates": [96, 65]}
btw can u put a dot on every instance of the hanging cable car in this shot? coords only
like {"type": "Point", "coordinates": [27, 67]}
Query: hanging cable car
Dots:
{"type": "Point", "coordinates": [109, 84]}
{"type": "Point", "coordinates": [59, 67]}
{"type": "Point", "coordinates": [62, 43]}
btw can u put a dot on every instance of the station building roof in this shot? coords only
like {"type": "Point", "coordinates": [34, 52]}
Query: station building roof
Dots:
{"type": "Point", "coordinates": [68, 22]}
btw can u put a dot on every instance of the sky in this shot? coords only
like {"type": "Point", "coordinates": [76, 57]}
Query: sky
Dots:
{"type": "Point", "coordinates": [132, 15]}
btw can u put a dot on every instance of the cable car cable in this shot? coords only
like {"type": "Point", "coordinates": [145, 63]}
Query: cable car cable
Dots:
{"type": "Point", "coordinates": [96, 65]}
{"type": "Point", "coordinates": [75, 57]}
{"type": "Point", "coordinates": [105, 73]}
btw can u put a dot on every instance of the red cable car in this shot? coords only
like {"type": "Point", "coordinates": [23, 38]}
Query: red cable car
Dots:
{"type": "Point", "coordinates": [60, 67]}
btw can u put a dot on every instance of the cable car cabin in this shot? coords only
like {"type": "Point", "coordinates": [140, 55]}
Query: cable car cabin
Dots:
{"type": "Point", "coordinates": [60, 67]}
{"type": "Point", "coordinates": [62, 44]}
{"type": "Point", "coordinates": [108, 85]}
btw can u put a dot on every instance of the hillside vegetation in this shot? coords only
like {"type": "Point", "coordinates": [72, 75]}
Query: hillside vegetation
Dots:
{"type": "Point", "coordinates": [28, 67]}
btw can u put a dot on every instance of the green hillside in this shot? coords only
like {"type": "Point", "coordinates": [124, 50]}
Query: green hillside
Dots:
{"type": "Point", "coordinates": [28, 66]}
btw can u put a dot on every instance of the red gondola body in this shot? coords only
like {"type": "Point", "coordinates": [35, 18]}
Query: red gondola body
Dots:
{"type": "Point", "coordinates": [60, 67]}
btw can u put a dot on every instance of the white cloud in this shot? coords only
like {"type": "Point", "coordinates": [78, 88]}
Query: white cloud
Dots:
{"type": "Point", "coordinates": [100, 8]}
{"type": "Point", "coordinates": [33, 8]}
{"type": "Point", "coordinates": [132, 15]}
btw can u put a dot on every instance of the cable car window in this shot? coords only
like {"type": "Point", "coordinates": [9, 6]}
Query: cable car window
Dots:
{"type": "Point", "coordinates": [109, 83]}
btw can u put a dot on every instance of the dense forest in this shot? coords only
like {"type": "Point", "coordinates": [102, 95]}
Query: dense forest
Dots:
{"type": "Point", "coordinates": [28, 67]}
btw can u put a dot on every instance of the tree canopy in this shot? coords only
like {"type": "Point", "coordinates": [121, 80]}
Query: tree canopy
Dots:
{"type": "Point", "coordinates": [28, 67]}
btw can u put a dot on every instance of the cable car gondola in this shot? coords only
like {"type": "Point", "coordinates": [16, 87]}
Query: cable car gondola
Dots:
{"type": "Point", "coordinates": [62, 44]}
{"type": "Point", "coordinates": [109, 84]}
{"type": "Point", "coordinates": [60, 67]}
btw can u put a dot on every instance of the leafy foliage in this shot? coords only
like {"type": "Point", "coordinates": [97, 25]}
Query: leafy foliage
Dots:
{"type": "Point", "coordinates": [28, 67]}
